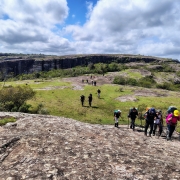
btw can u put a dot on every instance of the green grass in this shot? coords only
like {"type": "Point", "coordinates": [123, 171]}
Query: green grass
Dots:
{"type": "Point", "coordinates": [131, 73]}
{"type": "Point", "coordinates": [5, 120]}
{"type": "Point", "coordinates": [66, 102]}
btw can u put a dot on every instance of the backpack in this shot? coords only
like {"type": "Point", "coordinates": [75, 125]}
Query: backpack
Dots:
{"type": "Point", "coordinates": [116, 112]}
{"type": "Point", "coordinates": [130, 110]}
{"type": "Point", "coordinates": [152, 110]}
{"type": "Point", "coordinates": [171, 109]}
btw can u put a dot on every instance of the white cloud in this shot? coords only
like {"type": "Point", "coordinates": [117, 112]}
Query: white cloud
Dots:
{"type": "Point", "coordinates": [89, 8]}
{"type": "Point", "coordinates": [30, 24]}
{"type": "Point", "coordinates": [135, 27]}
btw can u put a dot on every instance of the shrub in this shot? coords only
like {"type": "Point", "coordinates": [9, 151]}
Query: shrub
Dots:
{"type": "Point", "coordinates": [12, 98]}
{"type": "Point", "coordinates": [132, 82]}
{"type": "Point", "coordinates": [119, 80]}
{"type": "Point", "coordinates": [147, 82]}
{"type": "Point", "coordinates": [165, 85]}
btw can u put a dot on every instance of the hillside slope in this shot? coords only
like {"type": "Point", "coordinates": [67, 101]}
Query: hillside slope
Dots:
{"type": "Point", "coordinates": [49, 147]}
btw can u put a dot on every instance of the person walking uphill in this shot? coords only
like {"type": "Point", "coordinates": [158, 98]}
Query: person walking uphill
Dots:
{"type": "Point", "coordinates": [117, 115]}
{"type": "Point", "coordinates": [99, 92]}
{"type": "Point", "coordinates": [171, 121]}
{"type": "Point", "coordinates": [133, 115]}
{"type": "Point", "coordinates": [90, 99]}
{"type": "Point", "coordinates": [158, 122]}
{"type": "Point", "coordinates": [150, 117]}
{"type": "Point", "coordinates": [82, 98]}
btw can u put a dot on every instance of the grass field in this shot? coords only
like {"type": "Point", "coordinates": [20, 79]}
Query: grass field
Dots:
{"type": "Point", "coordinates": [60, 99]}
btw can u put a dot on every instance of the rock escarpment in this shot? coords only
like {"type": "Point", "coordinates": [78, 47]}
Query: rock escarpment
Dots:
{"type": "Point", "coordinates": [49, 147]}
{"type": "Point", "coordinates": [26, 65]}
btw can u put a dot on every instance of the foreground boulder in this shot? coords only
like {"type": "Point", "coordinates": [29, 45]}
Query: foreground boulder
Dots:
{"type": "Point", "coordinates": [49, 147]}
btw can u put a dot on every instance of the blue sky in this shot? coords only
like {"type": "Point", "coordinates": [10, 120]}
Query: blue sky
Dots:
{"type": "Point", "coordinates": [60, 27]}
{"type": "Point", "coordinates": [77, 11]}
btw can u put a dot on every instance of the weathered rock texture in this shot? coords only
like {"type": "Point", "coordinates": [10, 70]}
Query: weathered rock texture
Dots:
{"type": "Point", "coordinates": [47, 147]}
{"type": "Point", "coordinates": [28, 65]}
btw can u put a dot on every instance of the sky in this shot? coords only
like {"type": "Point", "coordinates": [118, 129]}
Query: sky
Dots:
{"type": "Point", "coordinates": [61, 27]}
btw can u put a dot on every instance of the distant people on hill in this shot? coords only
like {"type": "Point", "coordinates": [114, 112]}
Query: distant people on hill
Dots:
{"type": "Point", "coordinates": [90, 99]}
{"type": "Point", "coordinates": [82, 98]}
{"type": "Point", "coordinates": [117, 115]}
{"type": "Point", "coordinates": [171, 121]}
{"type": "Point", "coordinates": [158, 122]}
{"type": "Point", "coordinates": [133, 113]}
{"type": "Point", "coordinates": [98, 92]}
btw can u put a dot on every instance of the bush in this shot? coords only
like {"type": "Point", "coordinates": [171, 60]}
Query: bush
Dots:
{"type": "Point", "coordinates": [40, 109]}
{"type": "Point", "coordinates": [167, 86]}
{"type": "Point", "coordinates": [147, 82]}
{"type": "Point", "coordinates": [119, 80]}
{"type": "Point", "coordinates": [132, 82]}
{"type": "Point", "coordinates": [14, 98]}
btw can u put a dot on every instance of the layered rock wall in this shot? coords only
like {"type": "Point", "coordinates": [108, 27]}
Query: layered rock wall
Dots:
{"type": "Point", "coordinates": [26, 66]}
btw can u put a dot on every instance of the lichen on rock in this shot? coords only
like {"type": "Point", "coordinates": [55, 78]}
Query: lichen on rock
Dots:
{"type": "Point", "coordinates": [50, 147]}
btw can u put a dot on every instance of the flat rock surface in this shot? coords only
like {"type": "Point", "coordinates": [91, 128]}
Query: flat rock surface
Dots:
{"type": "Point", "coordinates": [48, 147]}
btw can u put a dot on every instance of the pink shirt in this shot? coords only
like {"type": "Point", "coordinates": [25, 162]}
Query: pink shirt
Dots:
{"type": "Point", "coordinates": [173, 120]}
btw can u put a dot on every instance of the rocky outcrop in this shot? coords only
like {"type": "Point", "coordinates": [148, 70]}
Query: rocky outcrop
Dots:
{"type": "Point", "coordinates": [16, 66]}
{"type": "Point", "coordinates": [48, 147]}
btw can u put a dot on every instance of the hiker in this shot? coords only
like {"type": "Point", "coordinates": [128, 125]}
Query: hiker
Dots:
{"type": "Point", "coordinates": [133, 113]}
{"type": "Point", "coordinates": [158, 122]}
{"type": "Point", "coordinates": [150, 117]}
{"type": "Point", "coordinates": [117, 115]}
{"type": "Point", "coordinates": [90, 99]}
{"type": "Point", "coordinates": [99, 92]}
{"type": "Point", "coordinates": [94, 83]}
{"type": "Point", "coordinates": [82, 98]}
{"type": "Point", "coordinates": [171, 121]}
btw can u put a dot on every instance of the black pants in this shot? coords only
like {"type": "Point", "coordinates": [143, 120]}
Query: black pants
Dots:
{"type": "Point", "coordinates": [82, 102]}
{"type": "Point", "coordinates": [155, 127]}
{"type": "Point", "coordinates": [132, 123]}
{"type": "Point", "coordinates": [148, 123]}
{"type": "Point", "coordinates": [90, 103]}
{"type": "Point", "coordinates": [171, 129]}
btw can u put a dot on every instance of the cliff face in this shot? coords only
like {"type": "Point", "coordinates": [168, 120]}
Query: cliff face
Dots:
{"type": "Point", "coordinates": [25, 66]}
{"type": "Point", "coordinates": [48, 147]}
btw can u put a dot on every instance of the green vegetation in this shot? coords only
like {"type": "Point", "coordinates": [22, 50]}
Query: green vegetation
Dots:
{"type": "Point", "coordinates": [6, 119]}
{"type": "Point", "coordinates": [46, 93]}
{"type": "Point", "coordinates": [14, 98]}
{"type": "Point", "coordinates": [58, 98]}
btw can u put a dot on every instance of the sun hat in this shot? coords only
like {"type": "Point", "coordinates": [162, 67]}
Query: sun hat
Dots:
{"type": "Point", "coordinates": [147, 108]}
{"type": "Point", "coordinates": [176, 113]}
{"type": "Point", "coordinates": [119, 110]}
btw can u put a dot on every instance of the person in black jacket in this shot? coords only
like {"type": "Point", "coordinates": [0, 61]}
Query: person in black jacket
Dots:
{"type": "Point", "coordinates": [133, 115]}
{"type": "Point", "coordinates": [82, 98]}
{"type": "Point", "coordinates": [150, 117]}
{"type": "Point", "coordinates": [99, 92]}
{"type": "Point", "coordinates": [90, 99]}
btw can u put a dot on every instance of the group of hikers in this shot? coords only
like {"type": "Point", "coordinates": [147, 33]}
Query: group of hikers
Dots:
{"type": "Point", "coordinates": [90, 98]}
{"type": "Point", "coordinates": [153, 119]}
